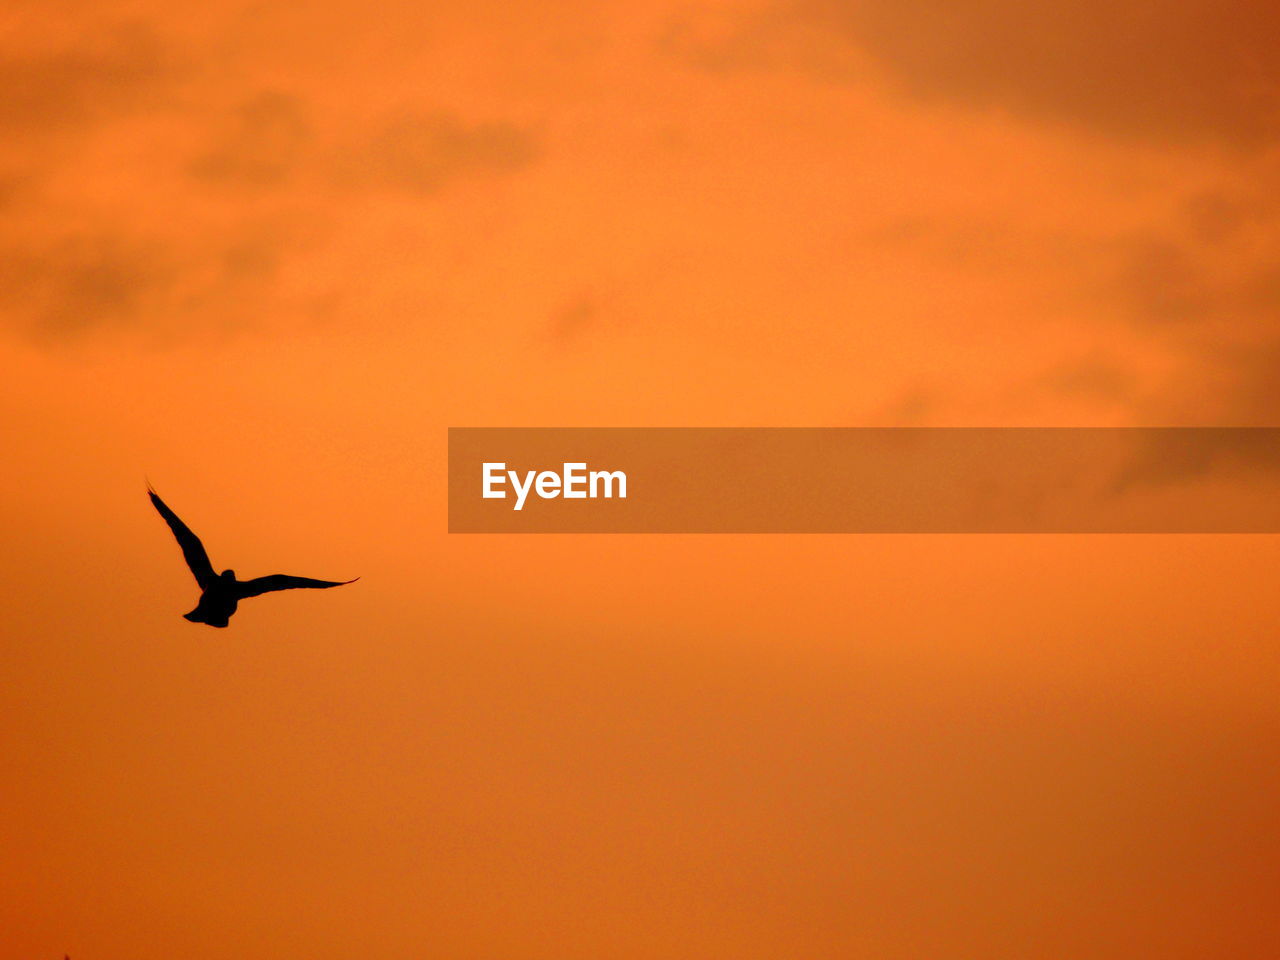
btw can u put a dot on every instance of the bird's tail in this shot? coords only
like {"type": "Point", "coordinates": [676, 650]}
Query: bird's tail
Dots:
{"type": "Point", "coordinates": [199, 616]}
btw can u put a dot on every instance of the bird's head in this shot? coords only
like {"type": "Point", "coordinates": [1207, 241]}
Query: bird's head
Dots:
{"type": "Point", "coordinates": [228, 575]}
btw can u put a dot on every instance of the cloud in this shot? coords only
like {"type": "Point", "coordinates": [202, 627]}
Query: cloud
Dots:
{"type": "Point", "coordinates": [272, 136]}
{"type": "Point", "coordinates": [108, 280]}
{"type": "Point", "coordinates": [419, 151]}
{"type": "Point", "coordinates": [911, 408]}
{"type": "Point", "coordinates": [780, 36]}
{"type": "Point", "coordinates": [1161, 458]}
{"type": "Point", "coordinates": [1193, 70]}
{"type": "Point", "coordinates": [1162, 281]}
{"type": "Point", "coordinates": [1214, 267]}
{"type": "Point", "coordinates": [107, 70]}
{"type": "Point", "coordinates": [1092, 377]}
{"type": "Point", "coordinates": [266, 181]}
{"type": "Point", "coordinates": [83, 253]}
{"type": "Point", "coordinates": [214, 261]}
{"type": "Point", "coordinates": [158, 184]}
{"type": "Point", "coordinates": [261, 145]}
{"type": "Point", "coordinates": [574, 320]}
{"type": "Point", "coordinates": [1209, 289]}
{"type": "Point", "coordinates": [1217, 215]}
{"type": "Point", "coordinates": [83, 281]}
{"type": "Point", "coordinates": [56, 96]}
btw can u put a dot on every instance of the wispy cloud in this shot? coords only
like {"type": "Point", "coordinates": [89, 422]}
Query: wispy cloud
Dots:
{"type": "Point", "coordinates": [110, 69]}
{"type": "Point", "coordinates": [421, 150]}
{"type": "Point", "coordinates": [1199, 70]}
{"type": "Point", "coordinates": [260, 145]}
{"type": "Point", "coordinates": [152, 190]}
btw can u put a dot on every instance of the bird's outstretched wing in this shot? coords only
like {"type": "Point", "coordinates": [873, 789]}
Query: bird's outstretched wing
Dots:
{"type": "Point", "coordinates": [192, 548]}
{"type": "Point", "coordinates": [282, 581]}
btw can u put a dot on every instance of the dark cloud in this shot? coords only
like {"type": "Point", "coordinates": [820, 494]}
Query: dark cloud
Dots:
{"type": "Point", "coordinates": [1092, 377]}
{"type": "Point", "coordinates": [1160, 458]}
{"type": "Point", "coordinates": [216, 183]}
{"type": "Point", "coordinates": [780, 36]}
{"type": "Point", "coordinates": [574, 320]}
{"type": "Point", "coordinates": [54, 99]}
{"type": "Point", "coordinates": [419, 152]}
{"type": "Point", "coordinates": [1216, 265]}
{"type": "Point", "coordinates": [1216, 308]}
{"type": "Point", "coordinates": [212, 263]}
{"type": "Point", "coordinates": [81, 256]}
{"type": "Point", "coordinates": [1198, 292]}
{"type": "Point", "coordinates": [273, 136]}
{"type": "Point", "coordinates": [912, 408]}
{"type": "Point", "coordinates": [1237, 384]}
{"type": "Point", "coordinates": [1193, 70]}
{"type": "Point", "coordinates": [261, 145]}
{"type": "Point", "coordinates": [1217, 216]}
{"type": "Point", "coordinates": [108, 70]}
{"type": "Point", "coordinates": [106, 281]}
{"type": "Point", "coordinates": [82, 282]}
{"type": "Point", "coordinates": [1162, 281]}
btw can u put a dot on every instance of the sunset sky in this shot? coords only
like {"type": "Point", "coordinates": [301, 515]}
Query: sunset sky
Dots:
{"type": "Point", "coordinates": [265, 254]}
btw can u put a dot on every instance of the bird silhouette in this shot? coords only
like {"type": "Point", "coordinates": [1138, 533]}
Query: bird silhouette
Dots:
{"type": "Point", "coordinates": [220, 594]}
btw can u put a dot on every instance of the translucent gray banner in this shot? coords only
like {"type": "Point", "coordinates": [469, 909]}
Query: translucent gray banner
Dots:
{"type": "Point", "coordinates": [864, 480]}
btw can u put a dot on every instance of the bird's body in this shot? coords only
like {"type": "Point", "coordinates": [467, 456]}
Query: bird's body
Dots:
{"type": "Point", "coordinates": [218, 602]}
{"type": "Point", "coordinates": [220, 594]}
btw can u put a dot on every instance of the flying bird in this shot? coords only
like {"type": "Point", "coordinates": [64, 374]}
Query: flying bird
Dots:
{"type": "Point", "coordinates": [220, 594]}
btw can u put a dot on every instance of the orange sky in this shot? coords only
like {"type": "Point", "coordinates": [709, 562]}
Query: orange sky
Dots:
{"type": "Point", "coordinates": [266, 254]}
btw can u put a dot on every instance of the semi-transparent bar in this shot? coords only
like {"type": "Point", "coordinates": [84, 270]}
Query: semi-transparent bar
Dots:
{"type": "Point", "coordinates": [866, 480]}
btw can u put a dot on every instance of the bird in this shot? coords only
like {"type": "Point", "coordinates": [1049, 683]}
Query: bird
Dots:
{"type": "Point", "coordinates": [220, 594]}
